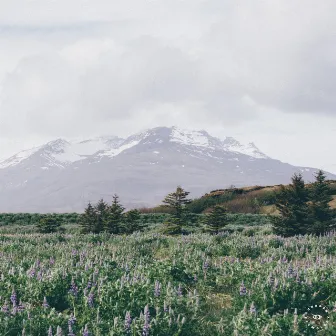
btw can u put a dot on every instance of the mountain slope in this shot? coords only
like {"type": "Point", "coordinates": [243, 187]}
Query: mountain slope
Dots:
{"type": "Point", "coordinates": [63, 176]}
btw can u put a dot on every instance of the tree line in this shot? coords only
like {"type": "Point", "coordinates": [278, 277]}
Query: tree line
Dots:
{"type": "Point", "coordinates": [301, 210]}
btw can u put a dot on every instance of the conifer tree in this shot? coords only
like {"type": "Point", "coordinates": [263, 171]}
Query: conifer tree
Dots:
{"type": "Point", "coordinates": [115, 218]}
{"type": "Point", "coordinates": [48, 224]}
{"type": "Point", "coordinates": [88, 220]}
{"type": "Point", "coordinates": [320, 197]}
{"type": "Point", "coordinates": [101, 211]}
{"type": "Point", "coordinates": [132, 221]}
{"type": "Point", "coordinates": [216, 219]}
{"type": "Point", "coordinates": [177, 201]}
{"type": "Point", "coordinates": [291, 202]}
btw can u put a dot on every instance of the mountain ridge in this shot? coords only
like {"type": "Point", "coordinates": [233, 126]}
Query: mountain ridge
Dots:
{"type": "Point", "coordinates": [63, 175]}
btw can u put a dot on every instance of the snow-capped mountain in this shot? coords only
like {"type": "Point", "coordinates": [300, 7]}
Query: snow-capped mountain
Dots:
{"type": "Point", "coordinates": [63, 175]}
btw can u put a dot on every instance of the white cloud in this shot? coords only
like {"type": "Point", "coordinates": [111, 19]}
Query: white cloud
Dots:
{"type": "Point", "coordinates": [254, 68]}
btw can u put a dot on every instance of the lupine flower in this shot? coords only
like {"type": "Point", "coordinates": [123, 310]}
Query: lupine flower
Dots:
{"type": "Point", "coordinates": [86, 331]}
{"type": "Point", "coordinates": [50, 333]}
{"type": "Point", "coordinates": [71, 320]}
{"type": "Point", "coordinates": [179, 290]}
{"type": "Point", "coordinates": [253, 309]}
{"type": "Point", "coordinates": [20, 307]}
{"type": "Point", "coordinates": [59, 331]}
{"type": "Point", "coordinates": [128, 321]}
{"type": "Point", "coordinates": [13, 297]}
{"type": "Point", "coordinates": [90, 300]}
{"type": "Point", "coordinates": [5, 308]}
{"type": "Point", "coordinates": [71, 333]}
{"type": "Point", "coordinates": [157, 290]}
{"type": "Point", "coordinates": [73, 289]}
{"type": "Point", "coordinates": [45, 303]}
{"type": "Point", "coordinates": [165, 307]}
{"type": "Point", "coordinates": [51, 261]}
{"type": "Point", "coordinates": [145, 329]}
{"type": "Point", "coordinates": [242, 290]}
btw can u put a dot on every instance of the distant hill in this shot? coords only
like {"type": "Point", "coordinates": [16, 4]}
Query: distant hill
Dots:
{"type": "Point", "coordinates": [253, 199]}
{"type": "Point", "coordinates": [63, 175]}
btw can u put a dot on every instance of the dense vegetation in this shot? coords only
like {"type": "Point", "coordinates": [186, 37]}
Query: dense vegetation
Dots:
{"type": "Point", "coordinates": [186, 271]}
{"type": "Point", "coordinates": [152, 284]}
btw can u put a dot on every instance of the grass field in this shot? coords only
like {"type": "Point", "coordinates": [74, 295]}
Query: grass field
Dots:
{"type": "Point", "coordinates": [239, 283]}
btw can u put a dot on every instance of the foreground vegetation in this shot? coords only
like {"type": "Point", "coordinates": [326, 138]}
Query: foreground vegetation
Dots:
{"type": "Point", "coordinates": [152, 284]}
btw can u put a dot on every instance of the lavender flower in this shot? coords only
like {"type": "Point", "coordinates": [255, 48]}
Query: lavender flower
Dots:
{"type": "Point", "coordinates": [45, 303]}
{"type": "Point", "coordinates": [13, 298]}
{"type": "Point", "coordinates": [179, 290]}
{"type": "Point", "coordinates": [5, 308]}
{"type": "Point", "coordinates": [73, 289]}
{"type": "Point", "coordinates": [128, 321]}
{"type": "Point", "coordinates": [90, 300]}
{"type": "Point", "coordinates": [59, 331]}
{"type": "Point", "coordinates": [242, 290]}
{"type": "Point", "coordinates": [71, 333]}
{"type": "Point", "coordinates": [86, 331]}
{"type": "Point", "coordinates": [253, 309]}
{"type": "Point", "coordinates": [157, 290]}
{"type": "Point", "coordinates": [145, 329]}
{"type": "Point", "coordinates": [20, 307]}
{"type": "Point", "coordinates": [71, 320]}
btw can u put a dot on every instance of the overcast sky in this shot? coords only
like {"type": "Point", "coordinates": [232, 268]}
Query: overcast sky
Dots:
{"type": "Point", "coordinates": [257, 70]}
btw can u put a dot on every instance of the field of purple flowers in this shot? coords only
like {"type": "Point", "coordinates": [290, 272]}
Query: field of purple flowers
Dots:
{"type": "Point", "coordinates": [151, 284]}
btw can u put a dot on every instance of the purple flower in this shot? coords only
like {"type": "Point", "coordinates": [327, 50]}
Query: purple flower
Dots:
{"type": "Point", "coordinates": [86, 331]}
{"type": "Point", "coordinates": [145, 329]}
{"type": "Point", "coordinates": [242, 289]}
{"type": "Point", "coordinates": [253, 309]}
{"type": "Point", "coordinates": [50, 331]}
{"type": "Point", "coordinates": [128, 321]}
{"type": "Point", "coordinates": [179, 290]}
{"type": "Point", "coordinates": [45, 303]}
{"type": "Point", "coordinates": [165, 307]}
{"type": "Point", "coordinates": [71, 320]}
{"type": "Point", "coordinates": [73, 289]}
{"type": "Point", "coordinates": [5, 308]}
{"type": "Point", "coordinates": [157, 290]}
{"type": "Point", "coordinates": [90, 300]}
{"type": "Point", "coordinates": [13, 298]}
{"type": "Point", "coordinates": [20, 307]}
{"type": "Point", "coordinates": [51, 261]}
{"type": "Point", "coordinates": [71, 333]}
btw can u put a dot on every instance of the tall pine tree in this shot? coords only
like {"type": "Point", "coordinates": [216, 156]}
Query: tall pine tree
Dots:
{"type": "Point", "coordinates": [177, 201]}
{"type": "Point", "coordinates": [88, 219]}
{"type": "Point", "coordinates": [115, 219]}
{"type": "Point", "coordinates": [291, 202]}
{"type": "Point", "coordinates": [101, 211]}
{"type": "Point", "coordinates": [132, 221]}
{"type": "Point", "coordinates": [320, 197]}
{"type": "Point", "coordinates": [216, 219]}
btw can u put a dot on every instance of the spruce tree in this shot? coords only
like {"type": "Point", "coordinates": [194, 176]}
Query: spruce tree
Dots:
{"type": "Point", "coordinates": [132, 221]}
{"type": "Point", "coordinates": [115, 218]}
{"type": "Point", "coordinates": [88, 220]}
{"type": "Point", "coordinates": [177, 201]}
{"type": "Point", "coordinates": [320, 197]}
{"type": "Point", "coordinates": [216, 219]}
{"type": "Point", "coordinates": [101, 210]}
{"type": "Point", "coordinates": [291, 202]}
{"type": "Point", "coordinates": [48, 224]}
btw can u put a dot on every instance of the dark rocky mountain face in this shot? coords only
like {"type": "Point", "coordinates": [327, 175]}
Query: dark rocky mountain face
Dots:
{"type": "Point", "coordinates": [62, 176]}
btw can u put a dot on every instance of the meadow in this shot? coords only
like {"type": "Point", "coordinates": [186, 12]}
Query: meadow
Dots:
{"type": "Point", "coordinates": [244, 281]}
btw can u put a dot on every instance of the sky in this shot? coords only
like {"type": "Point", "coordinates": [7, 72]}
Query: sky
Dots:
{"type": "Point", "coordinates": [257, 70]}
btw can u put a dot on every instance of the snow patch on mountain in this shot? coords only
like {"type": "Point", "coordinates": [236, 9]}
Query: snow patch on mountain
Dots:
{"type": "Point", "coordinates": [115, 151]}
{"type": "Point", "coordinates": [19, 157]}
{"type": "Point", "coordinates": [190, 138]}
